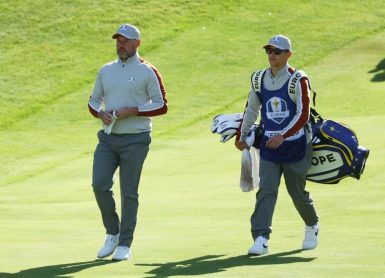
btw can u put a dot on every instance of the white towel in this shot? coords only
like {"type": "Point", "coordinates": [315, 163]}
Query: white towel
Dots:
{"type": "Point", "coordinates": [255, 166]}
{"type": "Point", "coordinates": [246, 182]}
{"type": "Point", "coordinates": [249, 170]}
{"type": "Point", "coordinates": [250, 165]}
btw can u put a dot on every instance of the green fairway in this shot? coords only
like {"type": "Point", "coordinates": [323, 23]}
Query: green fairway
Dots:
{"type": "Point", "coordinates": [193, 218]}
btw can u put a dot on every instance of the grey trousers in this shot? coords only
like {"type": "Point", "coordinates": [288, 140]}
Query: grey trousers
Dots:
{"type": "Point", "coordinates": [295, 179]}
{"type": "Point", "coordinates": [127, 151]}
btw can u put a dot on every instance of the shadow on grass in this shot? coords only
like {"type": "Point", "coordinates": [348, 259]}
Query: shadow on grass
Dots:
{"type": "Point", "coordinates": [379, 71]}
{"type": "Point", "coordinates": [214, 263]}
{"type": "Point", "coordinates": [55, 271]}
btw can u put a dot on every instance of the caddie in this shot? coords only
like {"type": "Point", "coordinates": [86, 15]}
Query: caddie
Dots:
{"type": "Point", "coordinates": [282, 95]}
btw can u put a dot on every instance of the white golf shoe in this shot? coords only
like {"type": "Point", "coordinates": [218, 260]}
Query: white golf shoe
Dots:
{"type": "Point", "coordinates": [109, 246]}
{"type": "Point", "coordinates": [311, 237]}
{"type": "Point", "coordinates": [260, 246]}
{"type": "Point", "coordinates": [122, 253]}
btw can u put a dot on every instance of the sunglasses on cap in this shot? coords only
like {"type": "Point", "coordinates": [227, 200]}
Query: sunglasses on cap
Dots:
{"type": "Point", "coordinates": [276, 51]}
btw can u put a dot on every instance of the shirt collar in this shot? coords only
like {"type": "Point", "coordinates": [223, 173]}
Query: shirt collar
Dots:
{"type": "Point", "coordinates": [129, 60]}
{"type": "Point", "coordinates": [282, 72]}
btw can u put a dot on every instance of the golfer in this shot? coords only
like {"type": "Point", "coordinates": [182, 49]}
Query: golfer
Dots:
{"type": "Point", "coordinates": [127, 93]}
{"type": "Point", "coordinates": [282, 94]}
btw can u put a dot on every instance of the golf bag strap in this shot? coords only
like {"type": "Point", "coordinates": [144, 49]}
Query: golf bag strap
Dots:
{"type": "Point", "coordinates": [315, 117]}
{"type": "Point", "coordinates": [314, 95]}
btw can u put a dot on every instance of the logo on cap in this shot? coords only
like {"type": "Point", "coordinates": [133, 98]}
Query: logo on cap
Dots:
{"type": "Point", "coordinates": [123, 28]}
{"type": "Point", "coordinates": [275, 39]}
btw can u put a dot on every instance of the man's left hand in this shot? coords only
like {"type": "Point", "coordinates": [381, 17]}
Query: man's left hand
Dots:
{"type": "Point", "coordinates": [275, 141]}
{"type": "Point", "coordinates": [126, 112]}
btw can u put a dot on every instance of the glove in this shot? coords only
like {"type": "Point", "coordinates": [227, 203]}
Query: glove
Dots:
{"type": "Point", "coordinates": [108, 128]}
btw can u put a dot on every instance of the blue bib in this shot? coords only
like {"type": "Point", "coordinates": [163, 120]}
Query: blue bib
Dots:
{"type": "Point", "coordinates": [277, 111]}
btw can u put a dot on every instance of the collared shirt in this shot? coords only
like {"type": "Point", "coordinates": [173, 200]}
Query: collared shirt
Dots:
{"type": "Point", "coordinates": [276, 82]}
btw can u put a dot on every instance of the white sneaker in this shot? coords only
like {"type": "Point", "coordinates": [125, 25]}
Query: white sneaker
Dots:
{"type": "Point", "coordinates": [109, 246]}
{"type": "Point", "coordinates": [122, 253]}
{"type": "Point", "coordinates": [311, 237]}
{"type": "Point", "coordinates": [259, 247]}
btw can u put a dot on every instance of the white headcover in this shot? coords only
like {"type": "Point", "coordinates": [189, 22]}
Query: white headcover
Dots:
{"type": "Point", "coordinates": [221, 118]}
{"type": "Point", "coordinates": [227, 125]}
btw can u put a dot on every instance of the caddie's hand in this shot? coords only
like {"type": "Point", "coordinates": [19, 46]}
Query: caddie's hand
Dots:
{"type": "Point", "coordinates": [241, 145]}
{"type": "Point", "coordinates": [126, 112]}
{"type": "Point", "coordinates": [275, 141]}
{"type": "Point", "coordinates": [105, 117]}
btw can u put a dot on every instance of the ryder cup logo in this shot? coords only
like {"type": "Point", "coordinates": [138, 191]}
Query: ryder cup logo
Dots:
{"type": "Point", "coordinates": [276, 110]}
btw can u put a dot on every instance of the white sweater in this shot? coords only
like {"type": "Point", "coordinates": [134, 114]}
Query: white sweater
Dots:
{"type": "Point", "coordinates": [134, 83]}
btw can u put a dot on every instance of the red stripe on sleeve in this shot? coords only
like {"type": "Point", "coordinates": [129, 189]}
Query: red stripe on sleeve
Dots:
{"type": "Point", "coordinates": [93, 111]}
{"type": "Point", "coordinates": [304, 117]}
{"type": "Point", "coordinates": [162, 110]}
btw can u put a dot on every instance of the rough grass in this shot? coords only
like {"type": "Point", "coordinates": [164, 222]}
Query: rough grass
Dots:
{"type": "Point", "coordinates": [50, 54]}
{"type": "Point", "coordinates": [193, 219]}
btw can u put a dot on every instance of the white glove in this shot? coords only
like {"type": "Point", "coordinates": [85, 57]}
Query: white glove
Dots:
{"type": "Point", "coordinates": [107, 128]}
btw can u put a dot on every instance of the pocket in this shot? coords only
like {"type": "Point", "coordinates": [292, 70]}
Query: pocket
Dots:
{"type": "Point", "coordinates": [148, 138]}
{"type": "Point", "coordinates": [99, 134]}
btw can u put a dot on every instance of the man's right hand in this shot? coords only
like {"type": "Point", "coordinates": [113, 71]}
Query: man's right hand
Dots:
{"type": "Point", "coordinates": [241, 145]}
{"type": "Point", "coordinates": [105, 117]}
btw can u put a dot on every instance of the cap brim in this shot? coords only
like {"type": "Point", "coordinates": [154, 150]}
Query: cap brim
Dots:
{"type": "Point", "coordinates": [276, 46]}
{"type": "Point", "coordinates": [122, 35]}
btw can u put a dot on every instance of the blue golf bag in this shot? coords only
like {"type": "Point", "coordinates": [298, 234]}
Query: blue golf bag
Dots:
{"type": "Point", "coordinates": [336, 153]}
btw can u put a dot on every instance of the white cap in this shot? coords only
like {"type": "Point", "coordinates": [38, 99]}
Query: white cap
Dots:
{"type": "Point", "coordinates": [129, 31]}
{"type": "Point", "coordinates": [280, 42]}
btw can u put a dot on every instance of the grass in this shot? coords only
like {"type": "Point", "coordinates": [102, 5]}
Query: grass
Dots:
{"type": "Point", "coordinates": [193, 218]}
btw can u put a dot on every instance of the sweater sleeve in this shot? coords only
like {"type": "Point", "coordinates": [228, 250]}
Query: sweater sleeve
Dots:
{"type": "Point", "coordinates": [250, 115]}
{"type": "Point", "coordinates": [95, 103]}
{"type": "Point", "coordinates": [302, 97]}
{"type": "Point", "coordinates": [157, 94]}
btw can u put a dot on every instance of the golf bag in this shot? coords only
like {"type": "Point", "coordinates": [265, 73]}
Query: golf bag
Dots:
{"type": "Point", "coordinates": [336, 152]}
